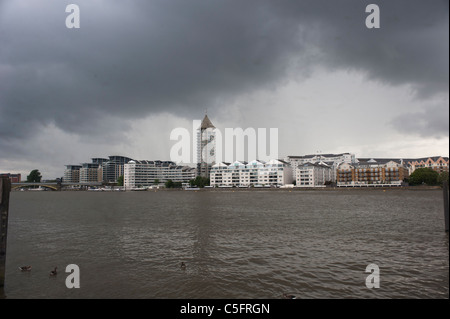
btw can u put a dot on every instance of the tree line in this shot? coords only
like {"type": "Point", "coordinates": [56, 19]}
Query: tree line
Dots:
{"type": "Point", "coordinates": [427, 176]}
{"type": "Point", "coordinates": [199, 181]}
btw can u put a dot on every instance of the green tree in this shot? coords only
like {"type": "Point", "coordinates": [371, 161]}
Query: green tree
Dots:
{"type": "Point", "coordinates": [424, 176]}
{"type": "Point", "coordinates": [120, 180]}
{"type": "Point", "coordinates": [172, 184]}
{"type": "Point", "coordinates": [199, 181]}
{"type": "Point", "coordinates": [169, 184]}
{"type": "Point", "coordinates": [34, 177]}
{"type": "Point", "coordinates": [156, 181]}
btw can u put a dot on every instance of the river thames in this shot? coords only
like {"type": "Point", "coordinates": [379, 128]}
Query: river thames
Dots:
{"type": "Point", "coordinates": [243, 244]}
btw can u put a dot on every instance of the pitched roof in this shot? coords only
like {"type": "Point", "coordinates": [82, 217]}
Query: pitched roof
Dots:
{"type": "Point", "coordinates": [206, 123]}
{"type": "Point", "coordinates": [433, 158]}
{"type": "Point", "coordinates": [317, 155]}
{"type": "Point", "coordinates": [317, 164]}
{"type": "Point", "coordinates": [364, 161]}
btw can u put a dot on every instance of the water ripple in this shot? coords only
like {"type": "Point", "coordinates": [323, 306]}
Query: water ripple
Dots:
{"type": "Point", "coordinates": [235, 245]}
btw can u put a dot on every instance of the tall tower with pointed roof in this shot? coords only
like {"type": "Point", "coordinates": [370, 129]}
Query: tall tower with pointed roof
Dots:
{"type": "Point", "coordinates": [206, 147]}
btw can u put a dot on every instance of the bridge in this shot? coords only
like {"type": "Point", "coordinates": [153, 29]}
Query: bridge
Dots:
{"type": "Point", "coordinates": [51, 185]}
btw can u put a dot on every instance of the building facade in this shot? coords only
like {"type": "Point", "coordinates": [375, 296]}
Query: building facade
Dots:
{"type": "Point", "coordinates": [106, 170]}
{"type": "Point", "coordinates": [437, 163]}
{"type": "Point", "coordinates": [253, 174]}
{"type": "Point", "coordinates": [14, 178]}
{"type": "Point", "coordinates": [313, 175]}
{"type": "Point", "coordinates": [113, 168]}
{"type": "Point", "coordinates": [206, 147]}
{"type": "Point", "coordinates": [372, 172]}
{"type": "Point", "coordinates": [72, 174]}
{"type": "Point", "coordinates": [148, 173]}
{"type": "Point", "coordinates": [91, 172]}
{"type": "Point", "coordinates": [332, 160]}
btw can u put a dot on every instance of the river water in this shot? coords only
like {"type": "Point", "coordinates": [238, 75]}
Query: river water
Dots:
{"type": "Point", "coordinates": [243, 244]}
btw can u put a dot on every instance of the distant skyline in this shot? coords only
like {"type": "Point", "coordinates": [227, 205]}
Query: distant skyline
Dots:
{"type": "Point", "coordinates": [136, 70]}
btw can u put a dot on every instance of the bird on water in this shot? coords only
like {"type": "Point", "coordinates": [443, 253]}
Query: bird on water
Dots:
{"type": "Point", "coordinates": [53, 272]}
{"type": "Point", "coordinates": [183, 265]}
{"type": "Point", "coordinates": [25, 268]}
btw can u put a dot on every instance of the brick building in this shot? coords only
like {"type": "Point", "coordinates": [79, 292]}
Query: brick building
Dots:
{"type": "Point", "coordinates": [14, 178]}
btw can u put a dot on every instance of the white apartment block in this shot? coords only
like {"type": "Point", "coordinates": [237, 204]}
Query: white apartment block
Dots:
{"type": "Point", "coordinates": [147, 173]}
{"type": "Point", "coordinates": [255, 173]}
{"type": "Point", "coordinates": [313, 175]}
{"type": "Point", "coordinates": [332, 160]}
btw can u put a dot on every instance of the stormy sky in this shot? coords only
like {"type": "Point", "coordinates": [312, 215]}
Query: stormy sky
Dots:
{"type": "Point", "coordinates": [135, 70]}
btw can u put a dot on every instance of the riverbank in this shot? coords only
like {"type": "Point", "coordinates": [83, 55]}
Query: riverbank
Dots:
{"type": "Point", "coordinates": [298, 189]}
{"type": "Point", "coordinates": [253, 189]}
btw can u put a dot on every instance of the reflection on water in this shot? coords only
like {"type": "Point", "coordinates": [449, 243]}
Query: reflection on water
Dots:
{"type": "Point", "coordinates": [243, 244]}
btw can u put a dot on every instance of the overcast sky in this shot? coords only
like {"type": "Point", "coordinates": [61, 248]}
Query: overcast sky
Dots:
{"type": "Point", "coordinates": [135, 70]}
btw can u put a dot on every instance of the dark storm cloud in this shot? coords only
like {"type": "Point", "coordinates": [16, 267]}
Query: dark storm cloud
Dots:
{"type": "Point", "coordinates": [133, 58]}
{"type": "Point", "coordinates": [431, 122]}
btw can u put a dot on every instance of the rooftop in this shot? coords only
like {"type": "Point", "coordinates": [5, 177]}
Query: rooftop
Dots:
{"type": "Point", "coordinates": [206, 123]}
{"type": "Point", "coordinates": [316, 155]}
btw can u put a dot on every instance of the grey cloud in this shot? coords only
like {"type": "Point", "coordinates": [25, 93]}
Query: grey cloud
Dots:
{"type": "Point", "coordinates": [130, 59]}
{"type": "Point", "coordinates": [411, 47]}
{"type": "Point", "coordinates": [433, 121]}
{"type": "Point", "coordinates": [180, 56]}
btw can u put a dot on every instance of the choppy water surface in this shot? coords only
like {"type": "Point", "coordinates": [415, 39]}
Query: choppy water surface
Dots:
{"type": "Point", "coordinates": [242, 244]}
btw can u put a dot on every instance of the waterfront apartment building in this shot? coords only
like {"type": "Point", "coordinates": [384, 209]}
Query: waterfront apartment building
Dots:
{"type": "Point", "coordinates": [113, 168]}
{"type": "Point", "coordinates": [372, 172]}
{"type": "Point", "coordinates": [99, 160]}
{"type": "Point", "coordinates": [91, 172]}
{"type": "Point", "coordinates": [314, 174]}
{"type": "Point", "coordinates": [72, 174]}
{"type": "Point", "coordinates": [332, 160]}
{"type": "Point", "coordinates": [148, 173]}
{"type": "Point", "coordinates": [437, 163]}
{"type": "Point", "coordinates": [106, 170]}
{"type": "Point", "coordinates": [256, 173]}
{"type": "Point", "coordinates": [206, 147]}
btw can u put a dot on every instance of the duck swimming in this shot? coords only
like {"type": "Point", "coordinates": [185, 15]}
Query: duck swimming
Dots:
{"type": "Point", "coordinates": [25, 268]}
{"type": "Point", "coordinates": [286, 296]}
{"type": "Point", "coordinates": [183, 265]}
{"type": "Point", "coordinates": [53, 272]}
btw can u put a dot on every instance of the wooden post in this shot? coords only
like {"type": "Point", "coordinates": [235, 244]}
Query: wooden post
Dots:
{"type": "Point", "coordinates": [445, 188]}
{"type": "Point", "coordinates": [5, 189]}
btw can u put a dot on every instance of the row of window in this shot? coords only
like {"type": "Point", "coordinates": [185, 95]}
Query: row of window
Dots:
{"type": "Point", "coordinates": [246, 179]}
{"type": "Point", "coordinates": [247, 169]}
